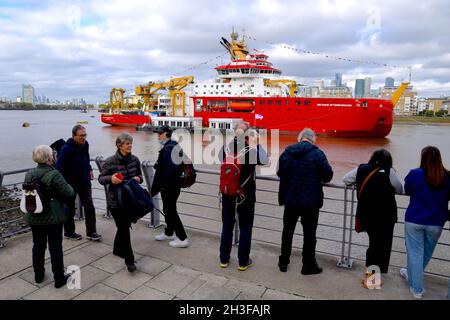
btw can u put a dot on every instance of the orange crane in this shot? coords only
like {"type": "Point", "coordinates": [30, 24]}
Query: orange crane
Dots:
{"type": "Point", "coordinates": [175, 87]}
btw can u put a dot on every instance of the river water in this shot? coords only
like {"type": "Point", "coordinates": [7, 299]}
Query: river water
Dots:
{"type": "Point", "coordinates": [16, 142]}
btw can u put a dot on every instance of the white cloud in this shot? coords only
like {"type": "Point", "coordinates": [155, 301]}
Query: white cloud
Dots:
{"type": "Point", "coordinates": [123, 43]}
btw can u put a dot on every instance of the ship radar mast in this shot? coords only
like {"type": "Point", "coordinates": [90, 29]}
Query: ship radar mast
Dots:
{"type": "Point", "coordinates": [237, 48]}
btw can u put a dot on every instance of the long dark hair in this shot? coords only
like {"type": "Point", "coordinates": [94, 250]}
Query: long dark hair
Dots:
{"type": "Point", "coordinates": [381, 158]}
{"type": "Point", "coordinates": [431, 163]}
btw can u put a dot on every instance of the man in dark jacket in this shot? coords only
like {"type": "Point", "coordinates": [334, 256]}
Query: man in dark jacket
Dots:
{"type": "Point", "coordinates": [302, 169]}
{"type": "Point", "coordinates": [74, 164]}
{"type": "Point", "coordinates": [245, 144]}
{"type": "Point", "coordinates": [167, 180]}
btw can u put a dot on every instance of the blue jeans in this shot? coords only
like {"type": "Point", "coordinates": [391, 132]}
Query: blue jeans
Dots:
{"type": "Point", "coordinates": [420, 243]}
{"type": "Point", "coordinates": [246, 214]}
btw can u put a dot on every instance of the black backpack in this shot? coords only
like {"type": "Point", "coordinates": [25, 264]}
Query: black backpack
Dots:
{"type": "Point", "coordinates": [134, 199]}
{"type": "Point", "coordinates": [188, 174]}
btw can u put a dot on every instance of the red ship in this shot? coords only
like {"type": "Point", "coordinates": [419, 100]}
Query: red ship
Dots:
{"type": "Point", "coordinates": [251, 89]}
{"type": "Point", "coordinates": [125, 120]}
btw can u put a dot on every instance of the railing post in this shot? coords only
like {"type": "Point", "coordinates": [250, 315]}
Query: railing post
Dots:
{"type": "Point", "coordinates": [149, 173]}
{"type": "Point", "coordinates": [99, 162]}
{"type": "Point", "coordinates": [2, 174]}
{"type": "Point", "coordinates": [79, 210]}
{"type": "Point", "coordinates": [352, 207]}
{"type": "Point", "coordinates": [2, 241]}
{"type": "Point", "coordinates": [344, 261]}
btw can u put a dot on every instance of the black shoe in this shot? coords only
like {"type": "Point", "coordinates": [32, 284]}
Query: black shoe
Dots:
{"type": "Point", "coordinates": [283, 267]}
{"type": "Point", "coordinates": [94, 236]}
{"type": "Point", "coordinates": [311, 269]}
{"type": "Point", "coordinates": [62, 282]}
{"type": "Point", "coordinates": [73, 236]}
{"type": "Point", "coordinates": [131, 267]}
{"type": "Point", "coordinates": [38, 278]}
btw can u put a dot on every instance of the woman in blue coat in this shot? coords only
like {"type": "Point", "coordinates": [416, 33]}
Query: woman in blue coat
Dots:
{"type": "Point", "coordinates": [429, 191]}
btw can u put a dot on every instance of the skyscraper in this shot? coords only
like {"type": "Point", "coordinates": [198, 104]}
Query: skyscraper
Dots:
{"type": "Point", "coordinates": [27, 93]}
{"type": "Point", "coordinates": [338, 80]}
{"type": "Point", "coordinates": [367, 86]}
{"type": "Point", "coordinates": [359, 88]}
{"type": "Point", "coordinates": [389, 82]}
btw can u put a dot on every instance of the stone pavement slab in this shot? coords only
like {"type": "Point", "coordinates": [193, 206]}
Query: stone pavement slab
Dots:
{"type": "Point", "coordinates": [173, 280]}
{"type": "Point", "coordinates": [127, 281]}
{"type": "Point", "coordinates": [279, 295]}
{"type": "Point", "coordinates": [91, 276]}
{"type": "Point", "coordinates": [152, 266]}
{"type": "Point", "coordinates": [101, 292]}
{"type": "Point", "coordinates": [109, 263]}
{"type": "Point", "coordinates": [49, 292]}
{"type": "Point", "coordinates": [15, 288]}
{"type": "Point", "coordinates": [147, 293]}
{"type": "Point", "coordinates": [98, 249]}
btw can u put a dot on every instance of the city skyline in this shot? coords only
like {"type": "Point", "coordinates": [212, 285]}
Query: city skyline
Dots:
{"type": "Point", "coordinates": [85, 49]}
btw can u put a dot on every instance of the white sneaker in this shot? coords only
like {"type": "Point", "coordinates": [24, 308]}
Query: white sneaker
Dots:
{"type": "Point", "coordinates": [417, 295]}
{"type": "Point", "coordinates": [162, 236]}
{"type": "Point", "coordinates": [404, 273]}
{"type": "Point", "coordinates": [177, 243]}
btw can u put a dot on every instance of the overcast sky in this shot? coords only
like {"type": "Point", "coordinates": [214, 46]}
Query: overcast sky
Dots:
{"type": "Point", "coordinates": [74, 49]}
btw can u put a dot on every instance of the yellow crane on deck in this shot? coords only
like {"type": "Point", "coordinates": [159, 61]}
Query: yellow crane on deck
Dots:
{"type": "Point", "coordinates": [175, 87]}
{"type": "Point", "coordinates": [116, 100]}
{"type": "Point", "coordinates": [290, 83]}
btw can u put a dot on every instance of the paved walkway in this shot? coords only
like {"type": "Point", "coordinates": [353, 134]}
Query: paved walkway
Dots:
{"type": "Point", "coordinates": [191, 273]}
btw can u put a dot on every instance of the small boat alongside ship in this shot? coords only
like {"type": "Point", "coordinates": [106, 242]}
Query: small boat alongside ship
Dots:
{"type": "Point", "coordinates": [249, 88]}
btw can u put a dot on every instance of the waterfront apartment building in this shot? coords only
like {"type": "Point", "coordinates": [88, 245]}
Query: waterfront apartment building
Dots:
{"type": "Point", "coordinates": [406, 105]}
{"type": "Point", "coordinates": [27, 93]}
{"type": "Point", "coordinates": [433, 104]}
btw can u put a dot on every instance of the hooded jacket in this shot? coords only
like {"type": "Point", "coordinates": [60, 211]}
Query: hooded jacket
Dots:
{"type": "Point", "coordinates": [74, 164]}
{"type": "Point", "coordinates": [302, 169]}
{"type": "Point", "coordinates": [167, 172]}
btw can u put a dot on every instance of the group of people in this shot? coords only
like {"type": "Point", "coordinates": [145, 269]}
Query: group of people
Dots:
{"type": "Point", "coordinates": [303, 168]}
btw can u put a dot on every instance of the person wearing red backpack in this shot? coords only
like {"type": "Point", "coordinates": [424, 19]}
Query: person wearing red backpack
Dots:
{"type": "Point", "coordinates": [238, 188]}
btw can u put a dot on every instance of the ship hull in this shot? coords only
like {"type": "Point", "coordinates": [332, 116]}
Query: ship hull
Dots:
{"type": "Point", "coordinates": [328, 116]}
{"type": "Point", "coordinates": [125, 120]}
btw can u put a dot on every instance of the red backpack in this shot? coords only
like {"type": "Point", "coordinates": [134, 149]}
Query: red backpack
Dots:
{"type": "Point", "coordinates": [230, 173]}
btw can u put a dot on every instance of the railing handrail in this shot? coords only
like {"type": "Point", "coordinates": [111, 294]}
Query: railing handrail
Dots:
{"type": "Point", "coordinates": [349, 206]}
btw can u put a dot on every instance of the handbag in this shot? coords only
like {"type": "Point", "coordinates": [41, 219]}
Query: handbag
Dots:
{"type": "Point", "coordinates": [358, 225]}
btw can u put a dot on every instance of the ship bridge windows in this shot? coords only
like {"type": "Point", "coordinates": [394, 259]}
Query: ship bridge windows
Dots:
{"type": "Point", "coordinates": [245, 70]}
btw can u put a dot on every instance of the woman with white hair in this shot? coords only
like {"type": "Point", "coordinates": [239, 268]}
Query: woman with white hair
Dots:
{"type": "Point", "coordinates": [120, 167]}
{"type": "Point", "coordinates": [47, 226]}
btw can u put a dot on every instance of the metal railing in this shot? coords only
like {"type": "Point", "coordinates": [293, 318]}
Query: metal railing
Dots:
{"type": "Point", "coordinates": [199, 207]}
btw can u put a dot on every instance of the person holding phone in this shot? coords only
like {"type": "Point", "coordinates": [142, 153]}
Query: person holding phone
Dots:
{"type": "Point", "coordinates": [118, 168]}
